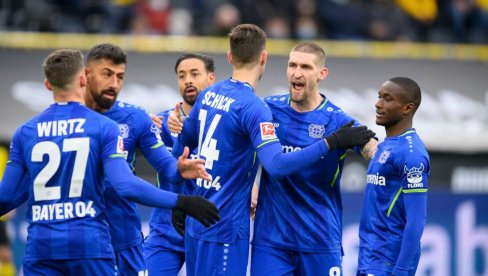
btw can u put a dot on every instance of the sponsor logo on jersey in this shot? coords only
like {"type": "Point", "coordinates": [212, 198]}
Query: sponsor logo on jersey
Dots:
{"type": "Point", "coordinates": [316, 131]}
{"type": "Point", "coordinates": [384, 156]}
{"type": "Point", "coordinates": [414, 175]}
{"type": "Point", "coordinates": [287, 148]}
{"type": "Point", "coordinates": [376, 179]}
{"type": "Point", "coordinates": [267, 131]}
{"type": "Point", "coordinates": [124, 130]}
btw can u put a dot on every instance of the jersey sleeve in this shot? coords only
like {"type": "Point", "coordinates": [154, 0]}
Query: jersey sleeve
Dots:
{"type": "Point", "coordinates": [258, 122]}
{"type": "Point", "coordinates": [414, 171]}
{"type": "Point", "coordinates": [149, 138]}
{"type": "Point", "coordinates": [15, 157]}
{"type": "Point", "coordinates": [112, 142]}
{"type": "Point", "coordinates": [14, 187]}
{"type": "Point", "coordinates": [188, 137]}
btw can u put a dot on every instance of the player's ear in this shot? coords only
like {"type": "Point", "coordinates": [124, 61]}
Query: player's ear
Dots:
{"type": "Point", "coordinates": [408, 108]}
{"type": "Point", "coordinates": [264, 57]}
{"type": "Point", "coordinates": [324, 72]}
{"type": "Point", "coordinates": [229, 57]}
{"type": "Point", "coordinates": [211, 78]}
{"type": "Point", "coordinates": [47, 85]}
{"type": "Point", "coordinates": [83, 79]}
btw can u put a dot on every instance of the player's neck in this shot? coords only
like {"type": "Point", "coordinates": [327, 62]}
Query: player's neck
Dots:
{"type": "Point", "coordinates": [186, 108]}
{"type": "Point", "coordinates": [250, 76]}
{"type": "Point", "coordinates": [398, 128]}
{"type": "Point", "coordinates": [309, 104]}
{"type": "Point", "coordinates": [62, 96]}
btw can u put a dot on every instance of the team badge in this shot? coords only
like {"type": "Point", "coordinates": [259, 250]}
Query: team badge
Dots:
{"type": "Point", "coordinates": [316, 131]}
{"type": "Point", "coordinates": [124, 130]}
{"type": "Point", "coordinates": [267, 131]}
{"type": "Point", "coordinates": [414, 175]}
{"type": "Point", "coordinates": [384, 156]}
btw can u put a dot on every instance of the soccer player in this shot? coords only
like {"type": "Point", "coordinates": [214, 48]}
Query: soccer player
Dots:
{"type": "Point", "coordinates": [232, 127]}
{"type": "Point", "coordinates": [105, 69]}
{"type": "Point", "coordinates": [298, 226]}
{"type": "Point", "coordinates": [65, 153]}
{"type": "Point", "coordinates": [394, 205]}
{"type": "Point", "coordinates": [164, 249]}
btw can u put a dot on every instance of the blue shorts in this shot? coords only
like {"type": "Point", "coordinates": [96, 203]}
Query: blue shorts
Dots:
{"type": "Point", "coordinates": [130, 261]}
{"type": "Point", "coordinates": [211, 258]}
{"type": "Point", "coordinates": [70, 267]}
{"type": "Point", "coordinates": [162, 261]}
{"type": "Point", "coordinates": [270, 261]}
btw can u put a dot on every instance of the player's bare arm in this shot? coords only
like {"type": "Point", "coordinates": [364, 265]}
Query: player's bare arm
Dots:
{"type": "Point", "coordinates": [369, 149]}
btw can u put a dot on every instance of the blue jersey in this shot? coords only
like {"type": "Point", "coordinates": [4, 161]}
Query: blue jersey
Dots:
{"type": "Point", "coordinates": [227, 123]}
{"type": "Point", "coordinates": [161, 230]}
{"type": "Point", "coordinates": [399, 167]}
{"type": "Point", "coordinates": [62, 151]}
{"type": "Point", "coordinates": [303, 211]}
{"type": "Point", "coordinates": [137, 131]}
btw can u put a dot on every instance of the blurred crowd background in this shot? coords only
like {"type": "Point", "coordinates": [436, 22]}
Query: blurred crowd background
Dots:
{"type": "Point", "coordinates": [444, 21]}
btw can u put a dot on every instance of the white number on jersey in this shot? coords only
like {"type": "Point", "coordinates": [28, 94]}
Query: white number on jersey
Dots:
{"type": "Point", "coordinates": [209, 147]}
{"type": "Point", "coordinates": [82, 148]}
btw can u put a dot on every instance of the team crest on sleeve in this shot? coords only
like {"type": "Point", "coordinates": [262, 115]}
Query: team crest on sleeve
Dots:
{"type": "Point", "coordinates": [267, 131]}
{"type": "Point", "coordinates": [154, 129]}
{"type": "Point", "coordinates": [124, 130]}
{"type": "Point", "coordinates": [384, 156]}
{"type": "Point", "coordinates": [414, 174]}
{"type": "Point", "coordinates": [316, 131]}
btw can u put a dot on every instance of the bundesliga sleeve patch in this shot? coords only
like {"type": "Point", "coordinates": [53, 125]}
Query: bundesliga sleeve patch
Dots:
{"type": "Point", "coordinates": [267, 131]}
{"type": "Point", "coordinates": [120, 145]}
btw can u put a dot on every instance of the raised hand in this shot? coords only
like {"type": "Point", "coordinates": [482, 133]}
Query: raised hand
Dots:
{"type": "Point", "coordinates": [192, 168]}
{"type": "Point", "coordinates": [175, 120]}
{"type": "Point", "coordinates": [349, 136]}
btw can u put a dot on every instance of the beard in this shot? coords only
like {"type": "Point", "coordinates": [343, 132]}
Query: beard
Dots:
{"type": "Point", "coordinates": [104, 103]}
{"type": "Point", "coordinates": [189, 99]}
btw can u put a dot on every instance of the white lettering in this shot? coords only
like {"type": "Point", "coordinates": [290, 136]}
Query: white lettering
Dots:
{"type": "Point", "coordinates": [59, 211]}
{"type": "Point", "coordinates": [216, 101]}
{"type": "Point", "coordinates": [60, 127]}
{"type": "Point", "coordinates": [471, 239]}
{"type": "Point", "coordinates": [376, 179]}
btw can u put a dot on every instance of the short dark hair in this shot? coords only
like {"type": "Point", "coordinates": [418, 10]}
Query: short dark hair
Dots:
{"type": "Point", "coordinates": [247, 41]}
{"type": "Point", "coordinates": [411, 90]}
{"type": "Point", "coordinates": [61, 66]}
{"type": "Point", "coordinates": [311, 48]}
{"type": "Point", "coordinates": [207, 61]}
{"type": "Point", "coordinates": [107, 51]}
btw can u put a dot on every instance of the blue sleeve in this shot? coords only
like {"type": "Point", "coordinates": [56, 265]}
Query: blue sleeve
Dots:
{"type": "Point", "coordinates": [164, 163]}
{"type": "Point", "coordinates": [188, 136]}
{"type": "Point", "coordinates": [153, 149]}
{"type": "Point", "coordinates": [14, 188]}
{"type": "Point", "coordinates": [416, 210]}
{"type": "Point", "coordinates": [279, 164]}
{"type": "Point", "coordinates": [135, 189]}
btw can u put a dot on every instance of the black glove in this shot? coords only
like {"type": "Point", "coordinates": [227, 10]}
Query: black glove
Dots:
{"type": "Point", "coordinates": [348, 136]}
{"type": "Point", "coordinates": [178, 220]}
{"type": "Point", "coordinates": [198, 207]}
